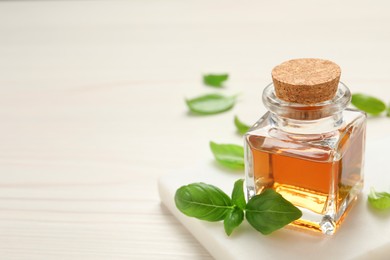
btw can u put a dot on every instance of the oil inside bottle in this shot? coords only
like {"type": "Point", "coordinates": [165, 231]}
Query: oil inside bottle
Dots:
{"type": "Point", "coordinates": [320, 174]}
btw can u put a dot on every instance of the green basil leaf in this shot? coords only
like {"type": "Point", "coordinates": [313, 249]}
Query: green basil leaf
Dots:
{"type": "Point", "coordinates": [233, 219]}
{"type": "Point", "coordinates": [211, 104]}
{"type": "Point", "coordinates": [379, 200]}
{"type": "Point", "coordinates": [241, 127]}
{"type": "Point", "coordinates": [238, 196]}
{"type": "Point", "coordinates": [229, 155]}
{"type": "Point", "coordinates": [388, 111]}
{"type": "Point", "coordinates": [203, 201]}
{"type": "Point", "coordinates": [215, 80]}
{"type": "Point", "coordinates": [368, 104]}
{"type": "Point", "coordinates": [269, 211]}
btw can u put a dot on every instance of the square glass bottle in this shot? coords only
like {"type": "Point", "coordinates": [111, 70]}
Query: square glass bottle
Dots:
{"type": "Point", "coordinates": [308, 149]}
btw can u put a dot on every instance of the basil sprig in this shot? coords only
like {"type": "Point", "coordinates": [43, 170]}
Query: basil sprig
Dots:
{"type": "Point", "coordinates": [203, 201]}
{"type": "Point", "coordinates": [369, 104]}
{"type": "Point", "coordinates": [379, 200]}
{"type": "Point", "coordinates": [238, 197]}
{"type": "Point", "coordinates": [242, 128]}
{"type": "Point", "coordinates": [269, 211]}
{"type": "Point", "coordinates": [211, 104]}
{"type": "Point", "coordinates": [266, 212]}
{"type": "Point", "coordinates": [215, 80]}
{"type": "Point", "coordinates": [233, 220]}
{"type": "Point", "coordinates": [229, 155]}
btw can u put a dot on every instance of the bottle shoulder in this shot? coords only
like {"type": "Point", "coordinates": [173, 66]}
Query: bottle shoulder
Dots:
{"type": "Point", "coordinates": [349, 118]}
{"type": "Point", "coordinates": [267, 136]}
{"type": "Point", "coordinates": [354, 117]}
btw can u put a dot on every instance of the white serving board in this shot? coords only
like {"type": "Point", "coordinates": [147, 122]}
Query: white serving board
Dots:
{"type": "Point", "coordinates": [365, 233]}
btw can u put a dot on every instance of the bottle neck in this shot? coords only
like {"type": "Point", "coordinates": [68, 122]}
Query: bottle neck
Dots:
{"type": "Point", "coordinates": [298, 126]}
{"type": "Point", "coordinates": [307, 119]}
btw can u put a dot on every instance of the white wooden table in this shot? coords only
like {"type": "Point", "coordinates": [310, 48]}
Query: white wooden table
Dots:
{"type": "Point", "coordinates": [92, 108]}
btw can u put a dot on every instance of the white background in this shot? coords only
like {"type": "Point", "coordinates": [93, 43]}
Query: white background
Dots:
{"type": "Point", "coordinates": [92, 108]}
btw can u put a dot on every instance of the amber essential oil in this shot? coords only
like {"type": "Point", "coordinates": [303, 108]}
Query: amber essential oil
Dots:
{"type": "Point", "coordinates": [312, 154]}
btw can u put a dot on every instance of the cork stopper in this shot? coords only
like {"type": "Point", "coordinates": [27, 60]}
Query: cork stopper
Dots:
{"type": "Point", "coordinates": [306, 81]}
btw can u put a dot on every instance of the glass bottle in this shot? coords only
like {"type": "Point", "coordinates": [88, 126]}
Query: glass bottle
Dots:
{"type": "Point", "coordinates": [309, 146]}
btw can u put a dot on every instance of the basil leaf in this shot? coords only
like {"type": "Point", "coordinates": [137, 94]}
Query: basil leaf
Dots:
{"type": "Point", "coordinates": [388, 111]}
{"type": "Point", "coordinates": [210, 104]}
{"type": "Point", "coordinates": [229, 155]}
{"type": "Point", "coordinates": [379, 200]}
{"type": "Point", "coordinates": [215, 80]}
{"type": "Point", "coordinates": [203, 201]}
{"type": "Point", "coordinates": [368, 104]}
{"type": "Point", "coordinates": [238, 196]}
{"type": "Point", "coordinates": [241, 127]}
{"type": "Point", "coordinates": [269, 211]}
{"type": "Point", "coordinates": [233, 219]}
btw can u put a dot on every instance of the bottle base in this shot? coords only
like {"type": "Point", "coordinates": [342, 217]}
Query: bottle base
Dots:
{"type": "Point", "coordinates": [325, 224]}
